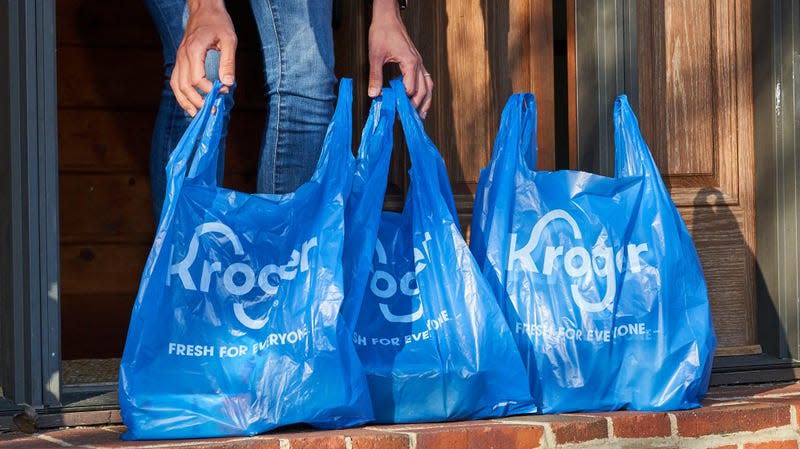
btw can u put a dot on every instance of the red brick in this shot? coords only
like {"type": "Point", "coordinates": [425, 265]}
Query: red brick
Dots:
{"type": "Point", "coordinates": [379, 440]}
{"type": "Point", "coordinates": [480, 435]}
{"type": "Point", "coordinates": [579, 430]}
{"type": "Point", "coordinates": [239, 443]}
{"type": "Point", "coordinates": [314, 440]}
{"type": "Point", "coordinates": [786, 444]}
{"type": "Point", "coordinates": [336, 439]}
{"type": "Point", "coordinates": [567, 428]}
{"type": "Point", "coordinates": [725, 419]}
{"type": "Point", "coordinates": [638, 424]}
{"type": "Point", "coordinates": [503, 436]}
{"type": "Point", "coordinates": [455, 437]}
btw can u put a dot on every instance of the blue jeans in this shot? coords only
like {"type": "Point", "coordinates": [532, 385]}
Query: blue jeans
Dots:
{"type": "Point", "coordinates": [297, 47]}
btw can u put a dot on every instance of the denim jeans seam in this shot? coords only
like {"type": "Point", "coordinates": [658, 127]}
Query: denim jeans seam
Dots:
{"type": "Point", "coordinates": [278, 92]}
{"type": "Point", "coordinates": [169, 30]}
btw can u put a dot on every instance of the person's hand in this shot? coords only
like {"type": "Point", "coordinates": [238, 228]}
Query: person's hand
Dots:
{"type": "Point", "coordinates": [389, 42]}
{"type": "Point", "coordinates": [209, 28]}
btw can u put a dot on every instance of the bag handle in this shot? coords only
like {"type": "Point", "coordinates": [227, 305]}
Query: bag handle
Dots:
{"type": "Point", "coordinates": [528, 142]}
{"type": "Point", "coordinates": [362, 210]}
{"type": "Point", "coordinates": [516, 139]}
{"type": "Point", "coordinates": [427, 166]}
{"type": "Point", "coordinates": [375, 148]}
{"type": "Point", "coordinates": [206, 156]}
{"type": "Point", "coordinates": [203, 123]}
{"type": "Point", "coordinates": [339, 136]}
{"type": "Point", "coordinates": [631, 154]}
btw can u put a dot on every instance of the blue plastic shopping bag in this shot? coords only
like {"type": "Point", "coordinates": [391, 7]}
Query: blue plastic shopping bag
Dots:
{"type": "Point", "coordinates": [428, 331]}
{"type": "Point", "coordinates": [235, 330]}
{"type": "Point", "coordinates": [598, 277]}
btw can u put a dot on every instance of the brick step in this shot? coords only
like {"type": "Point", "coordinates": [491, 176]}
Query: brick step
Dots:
{"type": "Point", "coordinates": [742, 417]}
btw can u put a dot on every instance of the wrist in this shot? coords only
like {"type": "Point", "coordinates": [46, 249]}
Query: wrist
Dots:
{"type": "Point", "coordinates": [205, 5]}
{"type": "Point", "coordinates": [386, 9]}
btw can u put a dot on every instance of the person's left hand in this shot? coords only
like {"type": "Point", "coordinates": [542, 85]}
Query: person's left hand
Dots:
{"type": "Point", "coordinates": [389, 42]}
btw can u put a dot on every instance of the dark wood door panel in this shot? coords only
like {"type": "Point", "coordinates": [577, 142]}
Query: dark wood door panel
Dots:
{"type": "Point", "coordinates": [695, 107]}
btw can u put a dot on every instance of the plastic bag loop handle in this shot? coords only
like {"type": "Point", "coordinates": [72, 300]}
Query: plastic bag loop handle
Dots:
{"type": "Point", "coordinates": [631, 155]}
{"type": "Point", "coordinates": [427, 165]}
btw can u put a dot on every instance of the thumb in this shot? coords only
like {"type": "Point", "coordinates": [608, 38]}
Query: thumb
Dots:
{"type": "Point", "coordinates": [227, 61]}
{"type": "Point", "coordinates": [375, 77]}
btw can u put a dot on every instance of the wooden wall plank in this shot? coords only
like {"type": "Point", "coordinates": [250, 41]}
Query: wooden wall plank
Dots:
{"type": "Point", "coordinates": [109, 77]}
{"type": "Point", "coordinates": [102, 140]}
{"type": "Point", "coordinates": [540, 60]}
{"type": "Point", "coordinates": [105, 207]}
{"type": "Point", "coordinates": [103, 23]}
{"type": "Point", "coordinates": [350, 48]}
{"type": "Point", "coordinates": [93, 23]}
{"type": "Point", "coordinates": [84, 335]}
{"type": "Point", "coordinates": [132, 78]}
{"type": "Point", "coordinates": [102, 269]}
{"type": "Point", "coordinates": [116, 207]}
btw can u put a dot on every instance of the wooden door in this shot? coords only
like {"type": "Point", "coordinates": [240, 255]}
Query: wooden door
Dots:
{"type": "Point", "coordinates": [696, 113]}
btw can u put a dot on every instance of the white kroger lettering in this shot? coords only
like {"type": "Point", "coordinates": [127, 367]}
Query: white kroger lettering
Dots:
{"type": "Point", "coordinates": [190, 350]}
{"type": "Point", "coordinates": [388, 287]}
{"type": "Point", "coordinates": [438, 321]}
{"type": "Point", "coordinates": [230, 284]}
{"type": "Point", "coordinates": [208, 270]}
{"type": "Point", "coordinates": [280, 338]}
{"type": "Point", "coordinates": [239, 279]}
{"type": "Point", "coordinates": [232, 351]}
{"type": "Point", "coordinates": [524, 254]}
{"type": "Point", "coordinates": [245, 319]}
{"type": "Point", "coordinates": [182, 268]}
{"type": "Point", "coordinates": [578, 262]}
{"type": "Point", "coordinates": [593, 335]}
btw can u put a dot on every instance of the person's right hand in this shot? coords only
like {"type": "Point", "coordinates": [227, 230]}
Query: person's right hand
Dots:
{"type": "Point", "coordinates": [209, 28]}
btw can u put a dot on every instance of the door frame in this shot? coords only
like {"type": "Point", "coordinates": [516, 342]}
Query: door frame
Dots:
{"type": "Point", "coordinates": [30, 349]}
{"type": "Point", "coordinates": [776, 96]}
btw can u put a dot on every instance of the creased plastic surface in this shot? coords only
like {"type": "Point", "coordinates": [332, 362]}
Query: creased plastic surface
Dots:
{"type": "Point", "coordinates": [235, 330]}
{"type": "Point", "coordinates": [598, 277]}
{"type": "Point", "coordinates": [432, 339]}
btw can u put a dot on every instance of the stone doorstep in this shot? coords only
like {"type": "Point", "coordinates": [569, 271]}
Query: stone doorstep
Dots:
{"type": "Point", "coordinates": [746, 417]}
